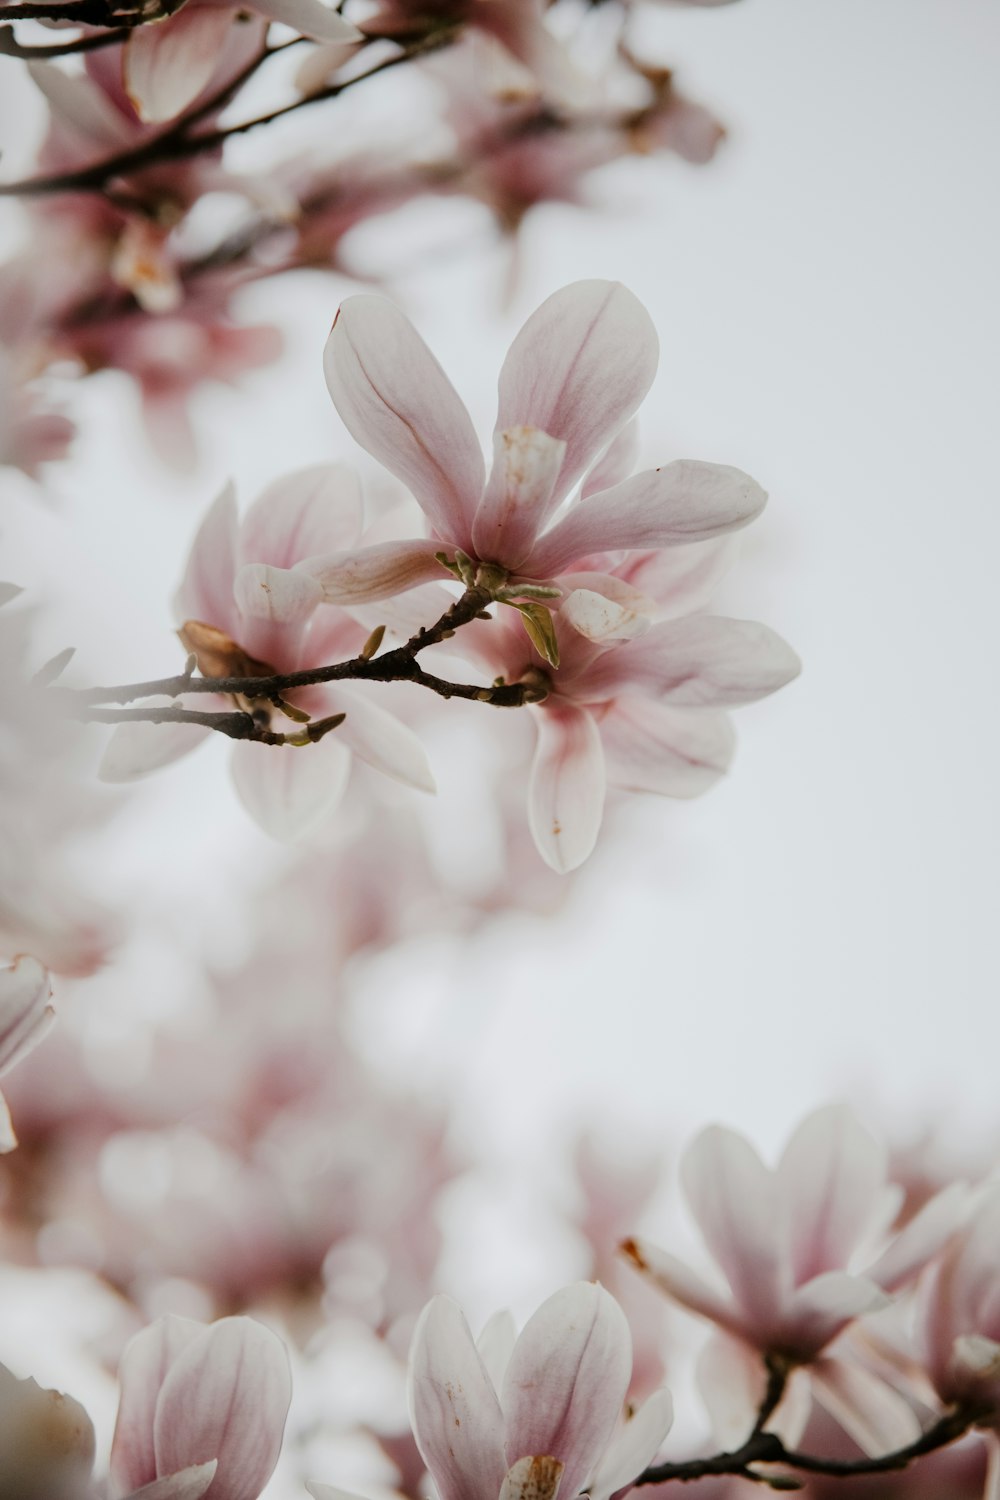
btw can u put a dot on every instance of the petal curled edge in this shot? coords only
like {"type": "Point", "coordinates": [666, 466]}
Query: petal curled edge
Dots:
{"type": "Point", "coordinates": [526, 464]}
{"type": "Point", "coordinates": [567, 786]}
{"type": "Point", "coordinates": [167, 64]}
{"type": "Point", "coordinates": [699, 661]}
{"type": "Point", "coordinates": [226, 1396]}
{"type": "Point", "coordinates": [683, 502]}
{"type": "Point", "coordinates": [454, 1409]}
{"type": "Point", "coordinates": [566, 1381]}
{"type": "Point", "coordinates": [373, 573]}
{"type": "Point", "coordinates": [674, 752]}
{"type": "Point", "coordinates": [397, 402]}
{"type": "Point", "coordinates": [578, 369]}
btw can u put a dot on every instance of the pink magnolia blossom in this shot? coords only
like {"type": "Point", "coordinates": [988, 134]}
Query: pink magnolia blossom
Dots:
{"type": "Point", "coordinates": [25, 1017]}
{"type": "Point", "coordinates": [961, 1314]}
{"type": "Point", "coordinates": [202, 1410]}
{"type": "Point", "coordinates": [261, 617]}
{"type": "Point", "coordinates": [785, 1238]}
{"type": "Point", "coordinates": [535, 1416]}
{"type": "Point", "coordinates": [574, 376]}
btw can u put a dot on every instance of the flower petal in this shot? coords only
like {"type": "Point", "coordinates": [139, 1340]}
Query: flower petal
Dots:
{"type": "Point", "coordinates": [567, 1380]}
{"type": "Point", "coordinates": [820, 1309]}
{"type": "Point", "coordinates": [288, 790]}
{"type": "Point", "coordinates": [168, 63]}
{"type": "Point", "coordinates": [599, 618]}
{"type": "Point", "coordinates": [8, 1139]}
{"type": "Point", "coordinates": [80, 108]}
{"type": "Point", "coordinates": [926, 1233]}
{"type": "Point", "coordinates": [700, 661]}
{"type": "Point", "coordinates": [634, 1447]}
{"type": "Point", "coordinates": [141, 1373]}
{"type": "Point", "coordinates": [25, 1012]}
{"type": "Point", "coordinates": [226, 1396]}
{"type": "Point", "coordinates": [376, 572]}
{"type": "Point", "coordinates": [454, 1410]}
{"type": "Point", "coordinates": [832, 1173]}
{"type": "Point", "coordinates": [681, 503]}
{"type": "Point", "coordinates": [616, 462]}
{"type": "Point", "coordinates": [526, 464]}
{"type": "Point", "coordinates": [318, 509]}
{"type": "Point", "coordinates": [309, 18]}
{"type": "Point", "coordinates": [532, 1478]}
{"type": "Point", "coordinates": [682, 580]}
{"type": "Point", "coordinates": [567, 787]}
{"type": "Point", "coordinates": [187, 1484]}
{"type": "Point", "coordinates": [674, 752]}
{"type": "Point", "coordinates": [382, 740]}
{"type": "Point", "coordinates": [496, 1345]}
{"type": "Point", "coordinates": [870, 1411]}
{"type": "Point", "coordinates": [134, 750]}
{"type": "Point", "coordinates": [397, 402]}
{"type": "Point", "coordinates": [275, 604]}
{"type": "Point", "coordinates": [206, 591]}
{"type": "Point", "coordinates": [578, 369]}
{"type": "Point", "coordinates": [682, 1284]}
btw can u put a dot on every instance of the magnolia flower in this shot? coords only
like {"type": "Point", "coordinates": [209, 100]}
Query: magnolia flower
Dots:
{"type": "Point", "coordinates": [526, 1419]}
{"type": "Point", "coordinates": [25, 1017]}
{"type": "Point", "coordinates": [961, 1314]}
{"type": "Point", "coordinates": [244, 611]}
{"type": "Point", "coordinates": [202, 1410]}
{"type": "Point", "coordinates": [574, 376]}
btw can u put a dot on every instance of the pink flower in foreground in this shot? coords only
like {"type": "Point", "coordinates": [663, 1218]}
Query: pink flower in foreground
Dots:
{"type": "Point", "coordinates": [244, 610]}
{"type": "Point", "coordinates": [525, 1419]}
{"type": "Point", "coordinates": [784, 1238]}
{"type": "Point", "coordinates": [25, 1017]}
{"type": "Point", "coordinates": [574, 376]}
{"type": "Point", "coordinates": [202, 1410]}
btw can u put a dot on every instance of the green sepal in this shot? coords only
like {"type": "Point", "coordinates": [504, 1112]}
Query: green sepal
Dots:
{"type": "Point", "coordinates": [541, 630]}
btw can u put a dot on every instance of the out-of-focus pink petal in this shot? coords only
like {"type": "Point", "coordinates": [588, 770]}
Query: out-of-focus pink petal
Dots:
{"type": "Point", "coordinates": [567, 1379]}
{"type": "Point", "coordinates": [526, 464]}
{"type": "Point", "coordinates": [382, 740]}
{"type": "Point", "coordinates": [683, 580]}
{"type": "Point", "coordinates": [702, 661]}
{"type": "Point", "coordinates": [80, 108]}
{"type": "Point", "coordinates": [454, 1410]}
{"type": "Point", "coordinates": [578, 369]}
{"type": "Point", "coordinates": [678, 1281]}
{"type": "Point", "coordinates": [206, 591]}
{"type": "Point", "coordinates": [681, 503]}
{"type": "Point", "coordinates": [277, 596]}
{"type": "Point", "coordinates": [330, 1492]}
{"type": "Point", "coordinates": [188, 1484]}
{"type": "Point", "coordinates": [616, 462]}
{"type": "Point", "coordinates": [634, 1447]}
{"type": "Point", "coordinates": [496, 1345]}
{"type": "Point", "coordinates": [832, 1173]}
{"type": "Point", "coordinates": [289, 790]}
{"type": "Point", "coordinates": [8, 1139]}
{"type": "Point", "coordinates": [375, 572]}
{"type": "Point", "coordinates": [167, 64]}
{"type": "Point", "coordinates": [870, 1411]}
{"type": "Point", "coordinates": [534, 1477]}
{"type": "Point", "coordinates": [135, 750]}
{"type": "Point", "coordinates": [926, 1233]}
{"type": "Point", "coordinates": [734, 1198]}
{"type": "Point", "coordinates": [318, 509]}
{"type": "Point", "coordinates": [141, 1374]}
{"type": "Point", "coordinates": [309, 18]}
{"type": "Point", "coordinates": [819, 1310]}
{"type": "Point", "coordinates": [226, 1396]}
{"type": "Point", "coordinates": [674, 752]}
{"type": "Point", "coordinates": [598, 618]}
{"type": "Point", "coordinates": [731, 1380]}
{"type": "Point", "coordinates": [25, 1012]}
{"type": "Point", "coordinates": [397, 402]}
{"type": "Point", "coordinates": [567, 787]}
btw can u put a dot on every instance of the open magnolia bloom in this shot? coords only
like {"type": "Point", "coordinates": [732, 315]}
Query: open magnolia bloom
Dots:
{"type": "Point", "coordinates": [243, 611]}
{"type": "Point", "coordinates": [531, 1417]}
{"type": "Point", "coordinates": [961, 1314]}
{"type": "Point", "coordinates": [574, 376]}
{"type": "Point", "coordinates": [785, 1238]}
{"type": "Point", "coordinates": [25, 1017]}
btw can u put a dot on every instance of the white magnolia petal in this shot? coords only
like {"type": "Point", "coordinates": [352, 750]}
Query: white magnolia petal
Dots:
{"type": "Point", "coordinates": [8, 1139]}
{"type": "Point", "coordinates": [330, 1492]}
{"type": "Point", "coordinates": [226, 1396]}
{"type": "Point", "coordinates": [634, 1447]}
{"type": "Point", "coordinates": [206, 591]}
{"type": "Point", "coordinates": [534, 1477]}
{"type": "Point", "coordinates": [674, 752]}
{"type": "Point", "coordinates": [598, 618]}
{"type": "Point", "coordinates": [316, 509]}
{"type": "Point", "coordinates": [567, 1380]}
{"type": "Point", "coordinates": [870, 1411]}
{"type": "Point", "coordinates": [135, 750]}
{"type": "Point", "coordinates": [705, 661]}
{"type": "Point", "coordinates": [310, 18]}
{"type": "Point", "coordinates": [684, 580]}
{"type": "Point", "coordinates": [616, 462]}
{"type": "Point", "coordinates": [567, 786]}
{"type": "Point", "coordinates": [454, 1410]}
{"type": "Point", "coordinates": [168, 63]}
{"type": "Point", "coordinates": [578, 369]}
{"type": "Point", "coordinates": [731, 1379]}
{"type": "Point", "coordinates": [397, 402]}
{"type": "Point", "coordinates": [141, 1373]}
{"type": "Point", "coordinates": [377, 572]}
{"type": "Point", "coordinates": [496, 1345]}
{"type": "Point", "coordinates": [81, 108]}
{"type": "Point", "coordinates": [682, 1284]}
{"type": "Point", "coordinates": [187, 1484]}
{"type": "Point", "coordinates": [288, 790]}
{"type": "Point", "coordinates": [832, 1173]}
{"type": "Point", "coordinates": [280, 596]}
{"type": "Point", "coordinates": [921, 1239]}
{"type": "Point", "coordinates": [383, 741]}
{"type": "Point", "coordinates": [526, 464]}
{"type": "Point", "coordinates": [25, 1012]}
{"type": "Point", "coordinates": [819, 1310]}
{"type": "Point", "coordinates": [682, 503]}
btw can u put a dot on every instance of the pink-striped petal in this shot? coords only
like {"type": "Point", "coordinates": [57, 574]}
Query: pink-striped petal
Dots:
{"type": "Point", "coordinates": [141, 1374]}
{"type": "Point", "coordinates": [376, 572]}
{"type": "Point", "coordinates": [819, 1310]}
{"type": "Point", "coordinates": [206, 591]}
{"type": "Point", "coordinates": [318, 509]}
{"type": "Point", "coordinates": [397, 402]}
{"type": "Point", "coordinates": [832, 1173]}
{"type": "Point", "coordinates": [567, 1379]}
{"type": "Point", "coordinates": [701, 661]}
{"type": "Point", "coordinates": [634, 1447]}
{"type": "Point", "coordinates": [226, 1396]}
{"type": "Point", "coordinates": [288, 790]}
{"type": "Point", "coordinates": [674, 752]}
{"type": "Point", "coordinates": [526, 464]}
{"type": "Point", "coordinates": [382, 740]}
{"type": "Point", "coordinates": [567, 787]}
{"type": "Point", "coordinates": [454, 1410]}
{"type": "Point", "coordinates": [616, 463]}
{"type": "Point", "coordinates": [168, 63]}
{"type": "Point", "coordinates": [681, 503]}
{"type": "Point", "coordinates": [188, 1484]}
{"type": "Point", "coordinates": [310, 18]}
{"type": "Point", "coordinates": [577, 370]}
{"type": "Point", "coordinates": [25, 1012]}
{"type": "Point", "coordinates": [135, 750]}
{"type": "Point", "coordinates": [874, 1414]}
